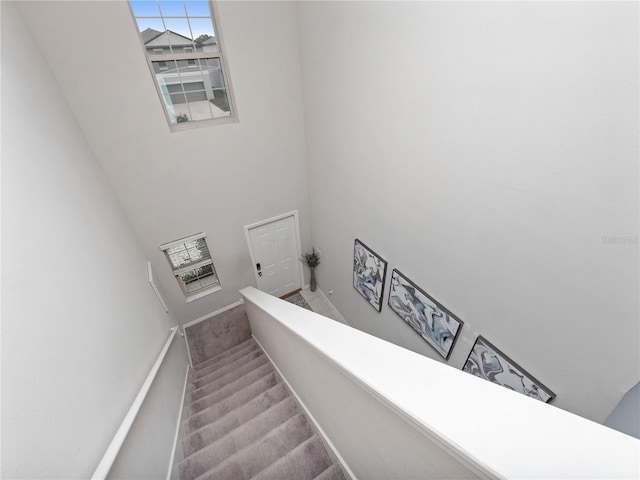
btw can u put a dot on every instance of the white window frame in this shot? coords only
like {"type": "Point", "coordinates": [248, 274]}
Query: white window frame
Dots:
{"type": "Point", "coordinates": [166, 57]}
{"type": "Point", "coordinates": [177, 272]}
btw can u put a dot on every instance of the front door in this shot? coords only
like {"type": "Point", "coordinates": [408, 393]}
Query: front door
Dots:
{"type": "Point", "coordinates": [274, 252]}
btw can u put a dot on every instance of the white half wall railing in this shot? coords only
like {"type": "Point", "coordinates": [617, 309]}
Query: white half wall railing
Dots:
{"type": "Point", "coordinates": [388, 412]}
{"type": "Point", "coordinates": [112, 451]}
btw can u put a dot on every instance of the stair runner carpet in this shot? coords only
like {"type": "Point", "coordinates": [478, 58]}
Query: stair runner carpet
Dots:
{"type": "Point", "coordinates": [242, 423]}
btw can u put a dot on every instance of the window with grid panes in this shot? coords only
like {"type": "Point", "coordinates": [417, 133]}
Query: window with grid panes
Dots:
{"type": "Point", "coordinates": [182, 46]}
{"type": "Point", "coordinates": [192, 265]}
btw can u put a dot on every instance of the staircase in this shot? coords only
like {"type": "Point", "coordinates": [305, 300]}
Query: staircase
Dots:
{"type": "Point", "coordinates": [242, 423]}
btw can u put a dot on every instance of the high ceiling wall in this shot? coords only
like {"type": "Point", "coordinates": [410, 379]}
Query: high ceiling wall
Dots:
{"type": "Point", "coordinates": [489, 151]}
{"type": "Point", "coordinates": [212, 179]}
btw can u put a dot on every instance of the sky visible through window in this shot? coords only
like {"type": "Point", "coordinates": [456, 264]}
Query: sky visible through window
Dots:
{"type": "Point", "coordinates": [188, 18]}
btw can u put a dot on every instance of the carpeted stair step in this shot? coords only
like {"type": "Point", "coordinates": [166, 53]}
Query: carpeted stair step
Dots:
{"type": "Point", "coordinates": [219, 359]}
{"type": "Point", "coordinates": [203, 371]}
{"type": "Point", "coordinates": [243, 436]}
{"type": "Point", "coordinates": [305, 462]}
{"type": "Point", "coordinates": [334, 472]}
{"type": "Point", "coordinates": [221, 408]}
{"type": "Point", "coordinates": [215, 430]}
{"type": "Point", "coordinates": [220, 382]}
{"type": "Point", "coordinates": [242, 423]}
{"type": "Point", "coordinates": [208, 375]}
{"type": "Point", "coordinates": [255, 457]}
{"type": "Point", "coordinates": [227, 390]}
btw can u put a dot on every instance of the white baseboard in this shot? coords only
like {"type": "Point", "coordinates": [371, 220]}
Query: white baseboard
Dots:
{"type": "Point", "coordinates": [177, 435]}
{"type": "Point", "coordinates": [317, 426]}
{"type": "Point", "coordinates": [213, 314]}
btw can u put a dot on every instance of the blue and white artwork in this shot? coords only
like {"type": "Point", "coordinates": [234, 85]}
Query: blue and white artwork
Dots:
{"type": "Point", "coordinates": [369, 272]}
{"type": "Point", "coordinates": [428, 318]}
{"type": "Point", "coordinates": [486, 361]}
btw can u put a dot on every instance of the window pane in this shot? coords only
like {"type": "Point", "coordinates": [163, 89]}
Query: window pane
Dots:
{"type": "Point", "coordinates": [154, 24]}
{"type": "Point", "coordinates": [194, 86]}
{"type": "Point", "coordinates": [145, 8]}
{"type": "Point", "coordinates": [199, 278]}
{"type": "Point", "coordinates": [172, 8]}
{"type": "Point", "coordinates": [179, 26]}
{"type": "Point", "coordinates": [206, 93]}
{"type": "Point", "coordinates": [200, 27]}
{"type": "Point", "coordinates": [221, 101]}
{"type": "Point", "coordinates": [198, 8]}
{"type": "Point", "coordinates": [174, 88]}
{"type": "Point", "coordinates": [164, 68]}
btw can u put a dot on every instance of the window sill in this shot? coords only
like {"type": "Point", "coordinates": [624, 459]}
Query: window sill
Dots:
{"type": "Point", "coordinates": [203, 293]}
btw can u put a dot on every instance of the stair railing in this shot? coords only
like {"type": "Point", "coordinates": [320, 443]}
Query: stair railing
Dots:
{"type": "Point", "coordinates": [388, 412]}
{"type": "Point", "coordinates": [112, 451]}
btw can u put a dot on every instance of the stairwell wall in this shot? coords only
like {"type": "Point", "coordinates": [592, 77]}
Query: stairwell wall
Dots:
{"type": "Point", "coordinates": [489, 151]}
{"type": "Point", "coordinates": [81, 326]}
{"type": "Point", "coordinates": [214, 179]}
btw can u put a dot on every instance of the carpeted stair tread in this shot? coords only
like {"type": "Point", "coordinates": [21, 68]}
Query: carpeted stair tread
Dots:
{"type": "Point", "coordinates": [247, 462]}
{"type": "Point", "coordinates": [305, 462]}
{"type": "Point", "coordinates": [334, 472]}
{"type": "Point", "coordinates": [242, 423]}
{"type": "Point", "coordinates": [244, 435]}
{"type": "Point", "coordinates": [227, 390]}
{"type": "Point", "coordinates": [215, 430]}
{"type": "Point", "coordinates": [213, 372]}
{"type": "Point", "coordinates": [224, 357]}
{"type": "Point", "coordinates": [219, 409]}
{"type": "Point", "coordinates": [220, 382]}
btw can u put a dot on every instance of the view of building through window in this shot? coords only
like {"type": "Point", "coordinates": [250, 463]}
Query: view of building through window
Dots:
{"type": "Point", "coordinates": [182, 48]}
{"type": "Point", "coordinates": [191, 263]}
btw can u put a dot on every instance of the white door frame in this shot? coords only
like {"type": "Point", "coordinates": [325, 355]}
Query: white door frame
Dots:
{"type": "Point", "coordinates": [296, 228]}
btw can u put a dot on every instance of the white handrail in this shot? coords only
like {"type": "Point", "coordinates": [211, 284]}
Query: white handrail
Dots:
{"type": "Point", "coordinates": [492, 431]}
{"type": "Point", "coordinates": [116, 444]}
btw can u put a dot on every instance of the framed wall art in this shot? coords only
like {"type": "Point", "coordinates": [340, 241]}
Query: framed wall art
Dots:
{"type": "Point", "coordinates": [486, 361]}
{"type": "Point", "coordinates": [434, 323]}
{"type": "Point", "coordinates": [369, 272]}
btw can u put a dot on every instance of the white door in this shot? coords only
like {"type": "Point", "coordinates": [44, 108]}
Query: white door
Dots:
{"type": "Point", "coordinates": [274, 252]}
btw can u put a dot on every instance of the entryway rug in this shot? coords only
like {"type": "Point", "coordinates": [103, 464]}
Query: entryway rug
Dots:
{"type": "Point", "coordinates": [299, 300]}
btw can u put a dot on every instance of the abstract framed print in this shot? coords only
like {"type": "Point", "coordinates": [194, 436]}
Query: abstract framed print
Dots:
{"type": "Point", "coordinates": [486, 361]}
{"type": "Point", "coordinates": [434, 323]}
{"type": "Point", "coordinates": [369, 272]}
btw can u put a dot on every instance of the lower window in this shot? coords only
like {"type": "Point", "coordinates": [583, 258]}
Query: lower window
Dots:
{"type": "Point", "coordinates": [192, 266]}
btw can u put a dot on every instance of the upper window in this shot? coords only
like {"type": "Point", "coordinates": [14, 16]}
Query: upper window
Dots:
{"type": "Point", "coordinates": [182, 46]}
{"type": "Point", "coordinates": [192, 266]}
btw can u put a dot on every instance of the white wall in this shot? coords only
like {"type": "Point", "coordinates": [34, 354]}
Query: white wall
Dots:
{"type": "Point", "coordinates": [81, 326]}
{"type": "Point", "coordinates": [489, 150]}
{"type": "Point", "coordinates": [212, 179]}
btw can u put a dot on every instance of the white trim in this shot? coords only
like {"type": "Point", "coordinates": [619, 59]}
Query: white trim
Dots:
{"type": "Point", "coordinates": [155, 288]}
{"type": "Point", "coordinates": [296, 228]}
{"type": "Point", "coordinates": [110, 455]}
{"type": "Point", "coordinates": [212, 314]}
{"type": "Point", "coordinates": [177, 436]}
{"type": "Point", "coordinates": [190, 238]}
{"type": "Point", "coordinates": [194, 266]}
{"type": "Point", "coordinates": [203, 293]}
{"type": "Point", "coordinates": [186, 341]}
{"type": "Point", "coordinates": [319, 429]}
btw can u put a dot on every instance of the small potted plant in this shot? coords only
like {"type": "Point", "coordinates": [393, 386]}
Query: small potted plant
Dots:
{"type": "Point", "coordinates": [312, 260]}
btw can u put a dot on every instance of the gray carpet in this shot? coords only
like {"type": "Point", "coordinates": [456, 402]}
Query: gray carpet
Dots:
{"type": "Point", "coordinates": [242, 423]}
{"type": "Point", "coordinates": [298, 299]}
